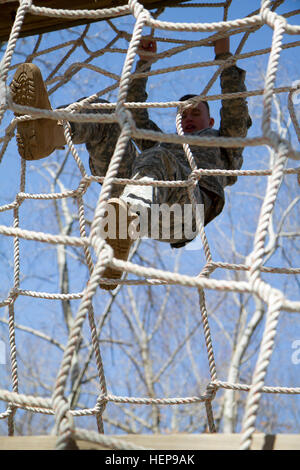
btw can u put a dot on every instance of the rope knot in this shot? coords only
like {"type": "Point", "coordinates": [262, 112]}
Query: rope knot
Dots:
{"type": "Point", "coordinates": [101, 401]}
{"type": "Point", "coordinates": [13, 294]}
{"type": "Point", "coordinates": [229, 62]}
{"type": "Point", "coordinates": [270, 17]}
{"type": "Point", "coordinates": [194, 177]}
{"type": "Point", "coordinates": [20, 198]}
{"type": "Point", "coordinates": [208, 269]}
{"type": "Point", "coordinates": [27, 4]}
{"type": "Point", "coordinates": [211, 391]}
{"type": "Point", "coordinates": [138, 9]}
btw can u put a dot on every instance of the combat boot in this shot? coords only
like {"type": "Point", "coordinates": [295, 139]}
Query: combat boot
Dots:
{"type": "Point", "coordinates": [120, 231]}
{"type": "Point", "coordinates": [37, 138]}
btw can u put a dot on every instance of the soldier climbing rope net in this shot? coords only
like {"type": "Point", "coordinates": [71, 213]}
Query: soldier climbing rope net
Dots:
{"type": "Point", "coordinates": [274, 298]}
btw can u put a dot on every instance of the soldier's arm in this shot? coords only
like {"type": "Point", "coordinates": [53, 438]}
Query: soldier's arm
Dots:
{"type": "Point", "coordinates": [97, 132]}
{"type": "Point", "coordinates": [235, 119]}
{"type": "Point", "coordinates": [86, 132]}
{"type": "Point", "coordinates": [137, 92]}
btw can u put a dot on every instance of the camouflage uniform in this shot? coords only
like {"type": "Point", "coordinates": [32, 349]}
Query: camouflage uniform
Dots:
{"type": "Point", "coordinates": [167, 161]}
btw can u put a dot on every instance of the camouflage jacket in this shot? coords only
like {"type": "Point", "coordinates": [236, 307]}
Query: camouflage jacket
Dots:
{"type": "Point", "coordinates": [100, 139]}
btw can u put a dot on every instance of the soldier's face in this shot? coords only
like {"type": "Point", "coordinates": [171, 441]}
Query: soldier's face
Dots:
{"type": "Point", "coordinates": [196, 118]}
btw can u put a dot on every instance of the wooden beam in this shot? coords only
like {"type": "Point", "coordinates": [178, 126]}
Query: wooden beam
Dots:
{"type": "Point", "coordinates": [164, 442]}
{"type": "Point", "coordinates": [34, 24]}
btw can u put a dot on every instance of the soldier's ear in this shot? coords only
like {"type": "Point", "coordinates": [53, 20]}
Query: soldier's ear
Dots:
{"type": "Point", "coordinates": [211, 122]}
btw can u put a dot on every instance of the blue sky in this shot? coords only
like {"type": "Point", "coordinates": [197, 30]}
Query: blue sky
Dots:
{"type": "Point", "coordinates": [38, 264]}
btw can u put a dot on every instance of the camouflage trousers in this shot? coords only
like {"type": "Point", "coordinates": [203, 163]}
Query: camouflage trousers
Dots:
{"type": "Point", "coordinates": [166, 213]}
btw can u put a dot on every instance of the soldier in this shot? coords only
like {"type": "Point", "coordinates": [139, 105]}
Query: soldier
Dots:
{"type": "Point", "coordinates": [157, 161]}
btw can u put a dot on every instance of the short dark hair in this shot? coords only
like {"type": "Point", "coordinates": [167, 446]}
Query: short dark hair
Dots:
{"type": "Point", "coordinates": [187, 97]}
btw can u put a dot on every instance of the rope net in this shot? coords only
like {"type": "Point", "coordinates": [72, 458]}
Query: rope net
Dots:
{"type": "Point", "coordinates": [97, 253]}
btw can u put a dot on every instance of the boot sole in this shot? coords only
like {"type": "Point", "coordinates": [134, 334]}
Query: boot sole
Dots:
{"type": "Point", "coordinates": [28, 89]}
{"type": "Point", "coordinates": [120, 246]}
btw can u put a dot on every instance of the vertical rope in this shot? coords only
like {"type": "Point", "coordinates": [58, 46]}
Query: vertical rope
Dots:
{"type": "Point", "coordinates": [6, 60]}
{"type": "Point", "coordinates": [11, 308]}
{"type": "Point", "coordinates": [266, 349]}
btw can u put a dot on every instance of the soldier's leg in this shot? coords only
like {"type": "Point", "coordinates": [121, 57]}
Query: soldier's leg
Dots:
{"type": "Point", "coordinates": [146, 201]}
{"type": "Point", "coordinates": [36, 138]}
{"type": "Point", "coordinates": [166, 213]}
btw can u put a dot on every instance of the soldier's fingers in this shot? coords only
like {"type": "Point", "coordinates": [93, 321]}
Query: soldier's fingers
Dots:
{"type": "Point", "coordinates": [147, 43]}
